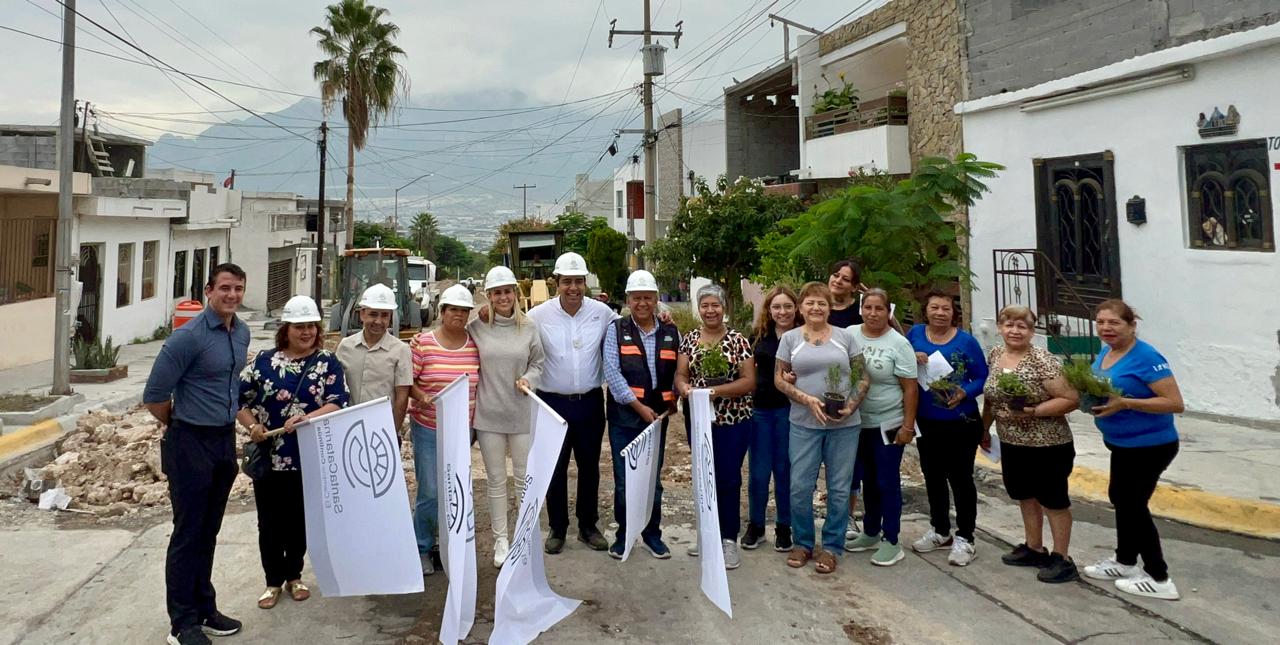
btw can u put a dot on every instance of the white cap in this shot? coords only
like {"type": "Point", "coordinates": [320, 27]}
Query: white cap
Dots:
{"type": "Point", "coordinates": [499, 276]}
{"type": "Point", "coordinates": [378, 296]}
{"type": "Point", "coordinates": [641, 280]}
{"type": "Point", "coordinates": [300, 309]}
{"type": "Point", "coordinates": [571, 264]}
{"type": "Point", "coordinates": [457, 296]}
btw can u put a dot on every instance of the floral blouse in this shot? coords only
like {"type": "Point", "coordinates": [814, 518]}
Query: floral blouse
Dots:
{"type": "Point", "coordinates": [1034, 369]}
{"type": "Point", "coordinates": [267, 387]}
{"type": "Point", "coordinates": [736, 349]}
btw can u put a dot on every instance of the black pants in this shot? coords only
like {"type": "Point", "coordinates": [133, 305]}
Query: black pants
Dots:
{"type": "Point", "coordinates": [200, 462]}
{"type": "Point", "coordinates": [585, 416]}
{"type": "Point", "coordinates": [947, 450]}
{"type": "Point", "coordinates": [282, 528]}
{"type": "Point", "coordinates": [1134, 473]}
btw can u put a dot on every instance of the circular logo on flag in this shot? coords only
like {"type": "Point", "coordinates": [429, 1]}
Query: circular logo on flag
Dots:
{"type": "Point", "coordinates": [367, 459]}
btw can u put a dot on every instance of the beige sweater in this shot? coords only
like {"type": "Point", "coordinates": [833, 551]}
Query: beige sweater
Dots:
{"type": "Point", "coordinates": [507, 353]}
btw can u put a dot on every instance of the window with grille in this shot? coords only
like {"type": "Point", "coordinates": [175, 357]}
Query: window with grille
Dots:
{"type": "Point", "coordinates": [149, 251]}
{"type": "Point", "coordinates": [124, 275]}
{"type": "Point", "coordinates": [179, 274]}
{"type": "Point", "coordinates": [1229, 196]}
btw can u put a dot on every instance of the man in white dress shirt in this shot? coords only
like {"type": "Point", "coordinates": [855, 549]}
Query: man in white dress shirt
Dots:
{"type": "Point", "coordinates": [572, 328]}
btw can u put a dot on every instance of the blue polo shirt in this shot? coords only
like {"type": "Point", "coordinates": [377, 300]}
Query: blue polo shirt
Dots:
{"type": "Point", "coordinates": [199, 368]}
{"type": "Point", "coordinates": [1133, 374]}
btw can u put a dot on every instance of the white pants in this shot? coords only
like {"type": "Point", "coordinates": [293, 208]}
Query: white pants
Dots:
{"type": "Point", "coordinates": [493, 448]}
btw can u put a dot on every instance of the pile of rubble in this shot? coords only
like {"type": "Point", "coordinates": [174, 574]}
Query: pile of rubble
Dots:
{"type": "Point", "coordinates": [111, 463]}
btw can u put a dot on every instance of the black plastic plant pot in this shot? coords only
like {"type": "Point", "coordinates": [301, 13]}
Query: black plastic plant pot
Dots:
{"type": "Point", "coordinates": [1090, 401]}
{"type": "Point", "coordinates": [832, 404]}
{"type": "Point", "coordinates": [715, 381]}
{"type": "Point", "coordinates": [1018, 402]}
{"type": "Point", "coordinates": [941, 397]}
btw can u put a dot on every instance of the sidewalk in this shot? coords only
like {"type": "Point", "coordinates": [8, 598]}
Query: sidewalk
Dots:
{"type": "Point", "coordinates": [1225, 477]}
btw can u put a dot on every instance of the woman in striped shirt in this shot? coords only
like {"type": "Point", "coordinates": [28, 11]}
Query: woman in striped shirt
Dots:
{"type": "Point", "coordinates": [439, 356]}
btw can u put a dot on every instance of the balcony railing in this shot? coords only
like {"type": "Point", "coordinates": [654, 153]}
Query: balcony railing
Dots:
{"type": "Point", "coordinates": [888, 110]}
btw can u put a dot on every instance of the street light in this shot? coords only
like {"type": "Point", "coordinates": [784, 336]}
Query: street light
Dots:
{"type": "Point", "coordinates": [395, 218]}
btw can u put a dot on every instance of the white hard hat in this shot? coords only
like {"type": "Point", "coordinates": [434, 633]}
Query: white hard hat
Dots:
{"type": "Point", "coordinates": [571, 264]}
{"type": "Point", "coordinates": [378, 296]}
{"type": "Point", "coordinates": [499, 276]}
{"type": "Point", "coordinates": [457, 296]}
{"type": "Point", "coordinates": [641, 280]}
{"type": "Point", "coordinates": [300, 309]}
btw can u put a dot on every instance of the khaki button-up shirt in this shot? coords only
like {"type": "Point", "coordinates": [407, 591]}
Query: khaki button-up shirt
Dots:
{"type": "Point", "coordinates": [375, 371]}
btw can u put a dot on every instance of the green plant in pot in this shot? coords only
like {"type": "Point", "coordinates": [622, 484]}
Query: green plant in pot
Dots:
{"type": "Point", "coordinates": [943, 389]}
{"type": "Point", "coordinates": [1015, 391]}
{"type": "Point", "coordinates": [713, 365]}
{"type": "Point", "coordinates": [1094, 391]}
{"type": "Point", "coordinates": [836, 396]}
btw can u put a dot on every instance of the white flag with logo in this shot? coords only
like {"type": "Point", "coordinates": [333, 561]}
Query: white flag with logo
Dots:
{"type": "Point", "coordinates": [524, 604]}
{"type": "Point", "coordinates": [359, 533]}
{"type": "Point", "coordinates": [457, 518]}
{"type": "Point", "coordinates": [715, 582]}
{"type": "Point", "coordinates": [640, 464]}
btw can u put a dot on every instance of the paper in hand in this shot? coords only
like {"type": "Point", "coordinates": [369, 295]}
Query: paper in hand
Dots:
{"type": "Point", "coordinates": [889, 430]}
{"type": "Point", "coordinates": [936, 368]}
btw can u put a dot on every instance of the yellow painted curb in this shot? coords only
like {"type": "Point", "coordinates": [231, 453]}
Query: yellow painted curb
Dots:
{"type": "Point", "coordinates": [23, 440]}
{"type": "Point", "coordinates": [1187, 505]}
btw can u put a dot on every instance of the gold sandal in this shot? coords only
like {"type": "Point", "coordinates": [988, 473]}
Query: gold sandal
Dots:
{"type": "Point", "coordinates": [297, 590]}
{"type": "Point", "coordinates": [269, 598]}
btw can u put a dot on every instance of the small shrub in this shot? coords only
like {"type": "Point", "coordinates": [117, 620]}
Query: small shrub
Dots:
{"type": "Point", "coordinates": [1011, 384]}
{"type": "Point", "coordinates": [835, 378]}
{"type": "Point", "coordinates": [1081, 377]}
{"type": "Point", "coordinates": [684, 318]}
{"type": "Point", "coordinates": [713, 363]}
{"type": "Point", "coordinates": [95, 355]}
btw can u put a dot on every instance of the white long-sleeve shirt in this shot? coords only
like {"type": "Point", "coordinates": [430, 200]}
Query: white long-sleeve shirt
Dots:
{"type": "Point", "coordinates": [572, 345]}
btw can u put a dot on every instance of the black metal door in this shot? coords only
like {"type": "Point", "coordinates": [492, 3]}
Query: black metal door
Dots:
{"type": "Point", "coordinates": [197, 276]}
{"type": "Point", "coordinates": [89, 312]}
{"type": "Point", "coordinates": [1076, 229]}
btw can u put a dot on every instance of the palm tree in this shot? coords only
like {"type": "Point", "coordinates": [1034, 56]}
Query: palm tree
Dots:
{"type": "Point", "coordinates": [360, 67]}
{"type": "Point", "coordinates": [423, 231]}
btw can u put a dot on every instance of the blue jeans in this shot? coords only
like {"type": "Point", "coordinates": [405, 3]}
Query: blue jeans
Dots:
{"type": "Point", "coordinates": [424, 469]}
{"type": "Point", "coordinates": [812, 447]}
{"type": "Point", "coordinates": [769, 456]}
{"type": "Point", "coordinates": [881, 486]}
{"type": "Point", "coordinates": [619, 437]}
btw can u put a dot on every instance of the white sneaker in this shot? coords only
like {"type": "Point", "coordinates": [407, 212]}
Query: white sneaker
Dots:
{"type": "Point", "coordinates": [500, 550]}
{"type": "Point", "coordinates": [852, 530]}
{"type": "Point", "coordinates": [732, 560]}
{"type": "Point", "coordinates": [693, 548]}
{"type": "Point", "coordinates": [930, 541]}
{"type": "Point", "coordinates": [962, 552]}
{"type": "Point", "coordinates": [428, 567]}
{"type": "Point", "coordinates": [1144, 585]}
{"type": "Point", "coordinates": [1109, 569]}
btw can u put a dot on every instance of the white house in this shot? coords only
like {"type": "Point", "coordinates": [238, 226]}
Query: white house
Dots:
{"type": "Point", "coordinates": [271, 243]}
{"type": "Point", "coordinates": [1147, 179]}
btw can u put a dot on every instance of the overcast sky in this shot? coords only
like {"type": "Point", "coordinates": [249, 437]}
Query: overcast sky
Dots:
{"type": "Point", "coordinates": [475, 54]}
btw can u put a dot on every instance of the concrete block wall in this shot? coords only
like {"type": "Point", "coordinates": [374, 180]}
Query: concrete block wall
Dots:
{"type": "Point", "coordinates": [670, 149]}
{"type": "Point", "coordinates": [1015, 44]}
{"type": "Point", "coordinates": [761, 136]}
{"type": "Point", "coordinates": [28, 152]}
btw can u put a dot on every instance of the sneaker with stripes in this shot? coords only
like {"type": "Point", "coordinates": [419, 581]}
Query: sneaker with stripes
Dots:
{"type": "Point", "coordinates": [1146, 586]}
{"type": "Point", "coordinates": [1109, 569]}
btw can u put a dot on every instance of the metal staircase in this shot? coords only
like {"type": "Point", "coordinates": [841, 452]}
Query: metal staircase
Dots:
{"type": "Point", "coordinates": [1028, 277]}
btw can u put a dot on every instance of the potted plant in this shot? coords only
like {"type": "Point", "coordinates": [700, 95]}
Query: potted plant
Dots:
{"type": "Point", "coordinates": [1093, 391]}
{"type": "Point", "coordinates": [713, 365]}
{"type": "Point", "coordinates": [96, 362]}
{"type": "Point", "coordinates": [834, 398]}
{"type": "Point", "coordinates": [943, 389]}
{"type": "Point", "coordinates": [1017, 392]}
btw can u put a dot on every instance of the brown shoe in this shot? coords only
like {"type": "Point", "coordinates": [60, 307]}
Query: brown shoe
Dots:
{"type": "Point", "coordinates": [297, 590]}
{"type": "Point", "coordinates": [824, 562]}
{"type": "Point", "coordinates": [269, 598]}
{"type": "Point", "coordinates": [798, 558]}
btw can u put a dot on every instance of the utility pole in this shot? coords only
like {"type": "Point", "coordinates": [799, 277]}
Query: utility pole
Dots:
{"type": "Point", "coordinates": [653, 66]}
{"type": "Point", "coordinates": [66, 167]}
{"type": "Point", "coordinates": [525, 188]}
{"type": "Point", "coordinates": [322, 218]}
{"type": "Point", "coordinates": [786, 32]}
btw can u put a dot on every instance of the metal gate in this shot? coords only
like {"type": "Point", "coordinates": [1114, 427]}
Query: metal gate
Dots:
{"type": "Point", "coordinates": [279, 281]}
{"type": "Point", "coordinates": [90, 276]}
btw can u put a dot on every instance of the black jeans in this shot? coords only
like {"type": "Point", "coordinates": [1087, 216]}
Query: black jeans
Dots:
{"type": "Point", "coordinates": [947, 450]}
{"type": "Point", "coordinates": [200, 462]}
{"type": "Point", "coordinates": [1134, 473]}
{"type": "Point", "coordinates": [282, 525]}
{"type": "Point", "coordinates": [585, 416]}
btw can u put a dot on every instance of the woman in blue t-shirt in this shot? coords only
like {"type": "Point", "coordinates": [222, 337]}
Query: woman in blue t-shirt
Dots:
{"type": "Point", "coordinates": [950, 428]}
{"type": "Point", "coordinates": [1138, 430]}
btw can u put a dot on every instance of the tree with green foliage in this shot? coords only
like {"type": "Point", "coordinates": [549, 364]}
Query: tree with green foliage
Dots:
{"type": "Point", "coordinates": [606, 257]}
{"type": "Point", "coordinates": [371, 234]}
{"type": "Point", "coordinates": [713, 232]}
{"type": "Point", "coordinates": [423, 230]}
{"type": "Point", "coordinates": [451, 255]}
{"type": "Point", "coordinates": [902, 232]}
{"type": "Point", "coordinates": [577, 229]}
{"type": "Point", "coordinates": [501, 239]}
{"type": "Point", "coordinates": [361, 67]}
